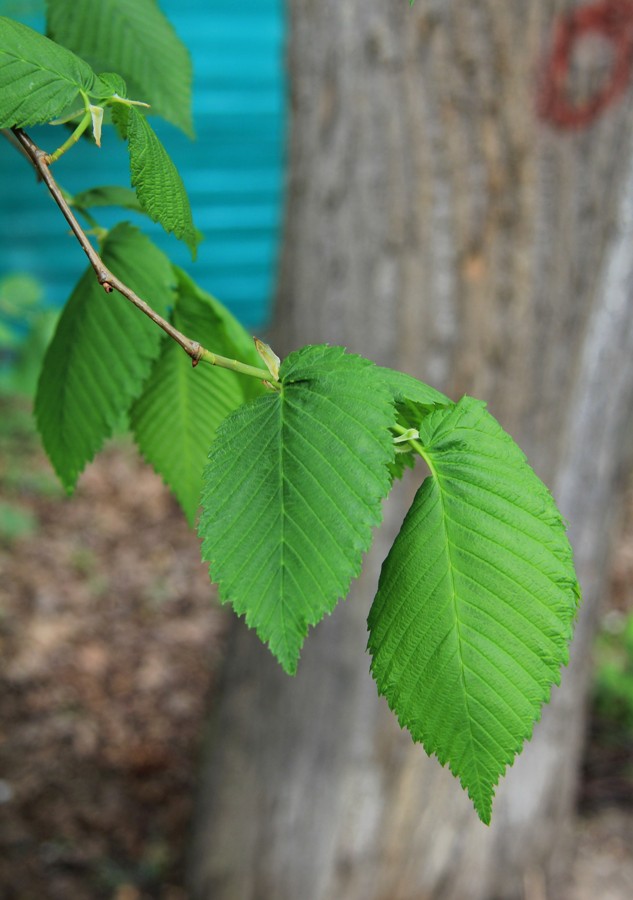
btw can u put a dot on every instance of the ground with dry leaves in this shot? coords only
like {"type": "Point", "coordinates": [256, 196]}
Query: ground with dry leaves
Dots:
{"type": "Point", "coordinates": [109, 638]}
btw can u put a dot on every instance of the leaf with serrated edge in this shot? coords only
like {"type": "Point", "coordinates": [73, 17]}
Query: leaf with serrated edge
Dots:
{"type": "Point", "coordinates": [292, 490]}
{"type": "Point", "coordinates": [176, 418]}
{"type": "Point", "coordinates": [38, 78]}
{"type": "Point", "coordinates": [134, 39]}
{"type": "Point", "coordinates": [476, 601]}
{"type": "Point", "coordinates": [155, 178]}
{"type": "Point", "coordinates": [101, 353]}
{"type": "Point", "coordinates": [406, 388]}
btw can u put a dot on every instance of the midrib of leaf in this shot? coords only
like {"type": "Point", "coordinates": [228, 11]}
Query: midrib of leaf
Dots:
{"type": "Point", "coordinates": [283, 500]}
{"type": "Point", "coordinates": [158, 184]}
{"type": "Point", "coordinates": [279, 609]}
{"type": "Point", "coordinates": [330, 497]}
{"type": "Point", "coordinates": [41, 67]}
{"type": "Point", "coordinates": [359, 461]}
{"type": "Point", "coordinates": [289, 504]}
{"type": "Point", "coordinates": [445, 518]}
{"type": "Point", "coordinates": [496, 518]}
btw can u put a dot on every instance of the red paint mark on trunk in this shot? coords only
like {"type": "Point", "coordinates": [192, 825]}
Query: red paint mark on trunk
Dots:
{"type": "Point", "coordinates": [611, 20]}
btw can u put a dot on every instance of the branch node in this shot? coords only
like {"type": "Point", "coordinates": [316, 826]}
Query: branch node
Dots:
{"type": "Point", "coordinates": [41, 163]}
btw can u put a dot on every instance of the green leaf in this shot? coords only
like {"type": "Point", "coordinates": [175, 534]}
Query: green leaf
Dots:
{"type": "Point", "coordinates": [20, 295]}
{"type": "Point", "coordinates": [407, 389]}
{"type": "Point", "coordinates": [134, 39]}
{"type": "Point", "coordinates": [108, 85]}
{"type": "Point", "coordinates": [38, 79]}
{"type": "Point", "coordinates": [9, 337]}
{"type": "Point", "coordinates": [414, 400]}
{"type": "Point", "coordinates": [101, 353]}
{"type": "Point", "coordinates": [476, 601]}
{"type": "Point", "coordinates": [155, 178]}
{"type": "Point", "coordinates": [16, 522]}
{"type": "Point", "coordinates": [292, 490]}
{"type": "Point", "coordinates": [176, 417]}
{"type": "Point", "coordinates": [107, 195]}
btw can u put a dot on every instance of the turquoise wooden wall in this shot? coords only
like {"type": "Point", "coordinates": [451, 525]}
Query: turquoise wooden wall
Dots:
{"type": "Point", "coordinates": [233, 171]}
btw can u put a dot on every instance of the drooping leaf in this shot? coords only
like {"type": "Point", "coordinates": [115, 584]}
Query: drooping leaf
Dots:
{"type": "Point", "coordinates": [176, 417]}
{"type": "Point", "coordinates": [134, 39]}
{"type": "Point", "coordinates": [101, 353]}
{"type": "Point", "coordinates": [292, 490]}
{"type": "Point", "coordinates": [38, 79]}
{"type": "Point", "coordinates": [155, 178]}
{"type": "Point", "coordinates": [476, 601]}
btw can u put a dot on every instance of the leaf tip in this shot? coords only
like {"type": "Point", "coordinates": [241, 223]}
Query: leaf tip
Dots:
{"type": "Point", "coordinates": [289, 666]}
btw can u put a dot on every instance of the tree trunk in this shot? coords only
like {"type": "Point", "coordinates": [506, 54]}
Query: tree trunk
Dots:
{"type": "Point", "coordinates": [446, 218]}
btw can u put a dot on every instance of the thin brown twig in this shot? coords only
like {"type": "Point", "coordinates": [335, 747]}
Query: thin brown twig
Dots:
{"type": "Point", "coordinates": [108, 280]}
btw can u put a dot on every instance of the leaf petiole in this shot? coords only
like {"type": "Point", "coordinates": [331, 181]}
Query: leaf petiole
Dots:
{"type": "Point", "coordinates": [64, 120]}
{"type": "Point", "coordinates": [125, 102]}
{"type": "Point", "coordinates": [235, 366]}
{"type": "Point", "coordinates": [72, 140]}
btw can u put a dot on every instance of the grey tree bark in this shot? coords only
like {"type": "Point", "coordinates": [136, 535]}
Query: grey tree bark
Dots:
{"type": "Point", "coordinates": [436, 224]}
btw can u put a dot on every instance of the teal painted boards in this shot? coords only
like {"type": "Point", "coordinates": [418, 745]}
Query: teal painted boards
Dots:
{"type": "Point", "coordinates": [233, 171]}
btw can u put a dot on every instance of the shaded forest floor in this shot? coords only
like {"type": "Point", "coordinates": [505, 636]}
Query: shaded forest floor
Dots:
{"type": "Point", "coordinates": [109, 636]}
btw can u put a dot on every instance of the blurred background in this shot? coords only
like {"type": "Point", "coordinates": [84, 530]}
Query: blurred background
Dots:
{"type": "Point", "coordinates": [456, 182]}
{"type": "Point", "coordinates": [233, 171]}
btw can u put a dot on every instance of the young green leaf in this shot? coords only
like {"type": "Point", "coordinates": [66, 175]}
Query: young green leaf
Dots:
{"type": "Point", "coordinates": [155, 178]}
{"type": "Point", "coordinates": [414, 400]}
{"type": "Point", "coordinates": [176, 417]}
{"type": "Point", "coordinates": [292, 490]}
{"type": "Point", "coordinates": [476, 601]}
{"type": "Point", "coordinates": [407, 389]}
{"type": "Point", "coordinates": [101, 353]}
{"type": "Point", "coordinates": [38, 79]}
{"type": "Point", "coordinates": [134, 39]}
{"type": "Point", "coordinates": [108, 85]}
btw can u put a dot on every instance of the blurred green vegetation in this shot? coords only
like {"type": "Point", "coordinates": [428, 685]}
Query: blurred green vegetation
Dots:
{"type": "Point", "coordinates": [613, 679]}
{"type": "Point", "coordinates": [15, 522]}
{"type": "Point", "coordinates": [608, 764]}
{"type": "Point", "coordinates": [26, 327]}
